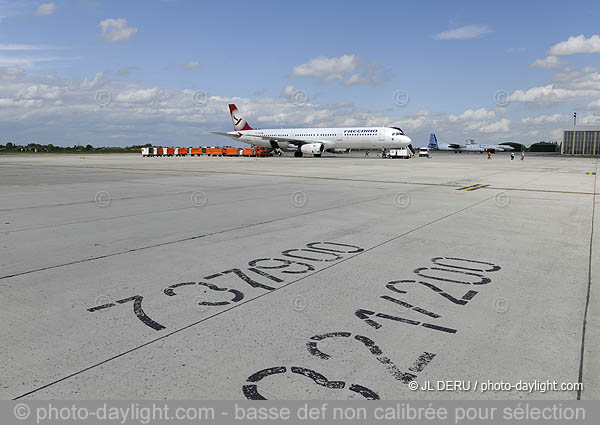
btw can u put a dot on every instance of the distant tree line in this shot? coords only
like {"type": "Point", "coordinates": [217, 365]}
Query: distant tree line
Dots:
{"type": "Point", "coordinates": [36, 147]}
{"type": "Point", "coordinates": [542, 146]}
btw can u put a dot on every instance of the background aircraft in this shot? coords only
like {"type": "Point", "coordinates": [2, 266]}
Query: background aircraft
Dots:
{"type": "Point", "coordinates": [434, 145]}
{"type": "Point", "coordinates": [471, 145]}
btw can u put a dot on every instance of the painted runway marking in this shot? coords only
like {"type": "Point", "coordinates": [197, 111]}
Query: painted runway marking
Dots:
{"type": "Point", "coordinates": [450, 265]}
{"type": "Point", "coordinates": [318, 252]}
{"type": "Point", "coordinates": [219, 313]}
{"type": "Point", "coordinates": [473, 187]}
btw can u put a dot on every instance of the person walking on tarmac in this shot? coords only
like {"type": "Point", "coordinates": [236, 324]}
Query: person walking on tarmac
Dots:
{"type": "Point", "coordinates": [522, 155]}
{"type": "Point", "coordinates": [512, 156]}
{"type": "Point", "coordinates": [489, 154]}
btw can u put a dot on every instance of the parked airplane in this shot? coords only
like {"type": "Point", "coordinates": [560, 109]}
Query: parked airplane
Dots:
{"type": "Point", "coordinates": [433, 144]}
{"type": "Point", "coordinates": [315, 140]}
{"type": "Point", "coordinates": [469, 146]}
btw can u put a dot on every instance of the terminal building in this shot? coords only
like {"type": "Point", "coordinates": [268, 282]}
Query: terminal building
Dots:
{"type": "Point", "coordinates": [581, 141]}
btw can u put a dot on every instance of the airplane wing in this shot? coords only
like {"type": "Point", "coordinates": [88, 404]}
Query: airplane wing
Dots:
{"type": "Point", "coordinates": [329, 144]}
{"type": "Point", "coordinates": [296, 141]}
{"type": "Point", "coordinates": [232, 136]}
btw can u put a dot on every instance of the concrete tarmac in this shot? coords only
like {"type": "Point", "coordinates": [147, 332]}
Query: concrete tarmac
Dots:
{"type": "Point", "coordinates": [341, 277]}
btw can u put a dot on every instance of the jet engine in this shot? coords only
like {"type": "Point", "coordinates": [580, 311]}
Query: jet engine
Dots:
{"type": "Point", "coordinates": [315, 149]}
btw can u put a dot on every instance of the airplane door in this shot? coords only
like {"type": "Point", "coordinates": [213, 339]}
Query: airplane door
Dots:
{"type": "Point", "coordinates": [339, 136]}
{"type": "Point", "coordinates": [382, 135]}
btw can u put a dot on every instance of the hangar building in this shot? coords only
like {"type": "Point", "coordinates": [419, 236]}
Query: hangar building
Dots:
{"type": "Point", "coordinates": [581, 141]}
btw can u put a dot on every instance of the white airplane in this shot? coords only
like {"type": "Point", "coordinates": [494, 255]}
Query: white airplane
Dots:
{"type": "Point", "coordinates": [434, 145]}
{"type": "Point", "coordinates": [471, 145]}
{"type": "Point", "coordinates": [315, 140]}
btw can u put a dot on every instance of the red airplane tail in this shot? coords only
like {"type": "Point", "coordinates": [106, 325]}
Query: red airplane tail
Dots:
{"type": "Point", "coordinates": [239, 123]}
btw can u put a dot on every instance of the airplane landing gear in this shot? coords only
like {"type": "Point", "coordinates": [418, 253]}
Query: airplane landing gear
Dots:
{"type": "Point", "coordinates": [298, 154]}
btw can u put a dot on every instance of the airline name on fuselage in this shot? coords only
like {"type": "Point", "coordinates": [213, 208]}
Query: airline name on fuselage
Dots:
{"type": "Point", "coordinates": [361, 131]}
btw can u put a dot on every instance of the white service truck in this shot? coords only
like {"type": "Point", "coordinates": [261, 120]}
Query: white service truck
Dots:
{"type": "Point", "coordinates": [404, 153]}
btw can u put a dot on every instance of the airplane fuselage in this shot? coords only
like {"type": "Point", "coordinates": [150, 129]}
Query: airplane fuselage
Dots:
{"type": "Point", "coordinates": [331, 138]}
{"type": "Point", "coordinates": [484, 148]}
{"type": "Point", "coordinates": [448, 147]}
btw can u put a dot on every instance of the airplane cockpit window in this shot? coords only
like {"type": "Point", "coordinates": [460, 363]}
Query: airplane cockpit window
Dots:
{"type": "Point", "coordinates": [400, 130]}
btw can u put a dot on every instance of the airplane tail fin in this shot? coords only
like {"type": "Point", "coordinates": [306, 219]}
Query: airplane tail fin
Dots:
{"type": "Point", "coordinates": [433, 143]}
{"type": "Point", "coordinates": [239, 123]}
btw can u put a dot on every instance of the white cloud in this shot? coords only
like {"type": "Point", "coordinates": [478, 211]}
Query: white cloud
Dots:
{"type": "Point", "coordinates": [294, 95]}
{"type": "Point", "coordinates": [576, 44]}
{"type": "Point", "coordinates": [594, 105]}
{"type": "Point", "coordinates": [27, 55]}
{"type": "Point", "coordinates": [586, 82]}
{"type": "Point", "coordinates": [356, 79]}
{"type": "Point", "coordinates": [371, 75]}
{"type": "Point", "coordinates": [20, 47]}
{"type": "Point", "coordinates": [549, 94]}
{"type": "Point", "coordinates": [40, 91]}
{"type": "Point", "coordinates": [501, 126]}
{"type": "Point", "coordinates": [571, 78]}
{"type": "Point", "coordinates": [27, 61]}
{"type": "Point", "coordinates": [566, 75]}
{"type": "Point", "coordinates": [477, 121]}
{"type": "Point", "coordinates": [11, 71]}
{"type": "Point", "coordinates": [139, 95]}
{"type": "Point", "coordinates": [464, 33]}
{"type": "Point", "coordinates": [480, 114]}
{"type": "Point", "coordinates": [588, 120]}
{"type": "Point", "coordinates": [543, 119]}
{"type": "Point", "coordinates": [97, 82]}
{"type": "Point", "coordinates": [348, 68]}
{"type": "Point", "coordinates": [288, 92]}
{"type": "Point", "coordinates": [547, 63]}
{"type": "Point", "coordinates": [191, 65]}
{"type": "Point", "coordinates": [45, 9]}
{"type": "Point", "coordinates": [116, 30]}
{"type": "Point", "coordinates": [328, 69]}
{"type": "Point", "coordinates": [416, 123]}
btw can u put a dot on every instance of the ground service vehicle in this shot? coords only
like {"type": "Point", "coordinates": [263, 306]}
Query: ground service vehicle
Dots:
{"type": "Point", "coordinates": [399, 153]}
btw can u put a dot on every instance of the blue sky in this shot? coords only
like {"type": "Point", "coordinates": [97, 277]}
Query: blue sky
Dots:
{"type": "Point", "coordinates": [129, 72]}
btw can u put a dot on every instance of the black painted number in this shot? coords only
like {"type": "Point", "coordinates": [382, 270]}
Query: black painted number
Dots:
{"type": "Point", "coordinates": [137, 309]}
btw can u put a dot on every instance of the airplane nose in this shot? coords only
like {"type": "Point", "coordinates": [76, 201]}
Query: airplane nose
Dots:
{"type": "Point", "coordinates": [407, 140]}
